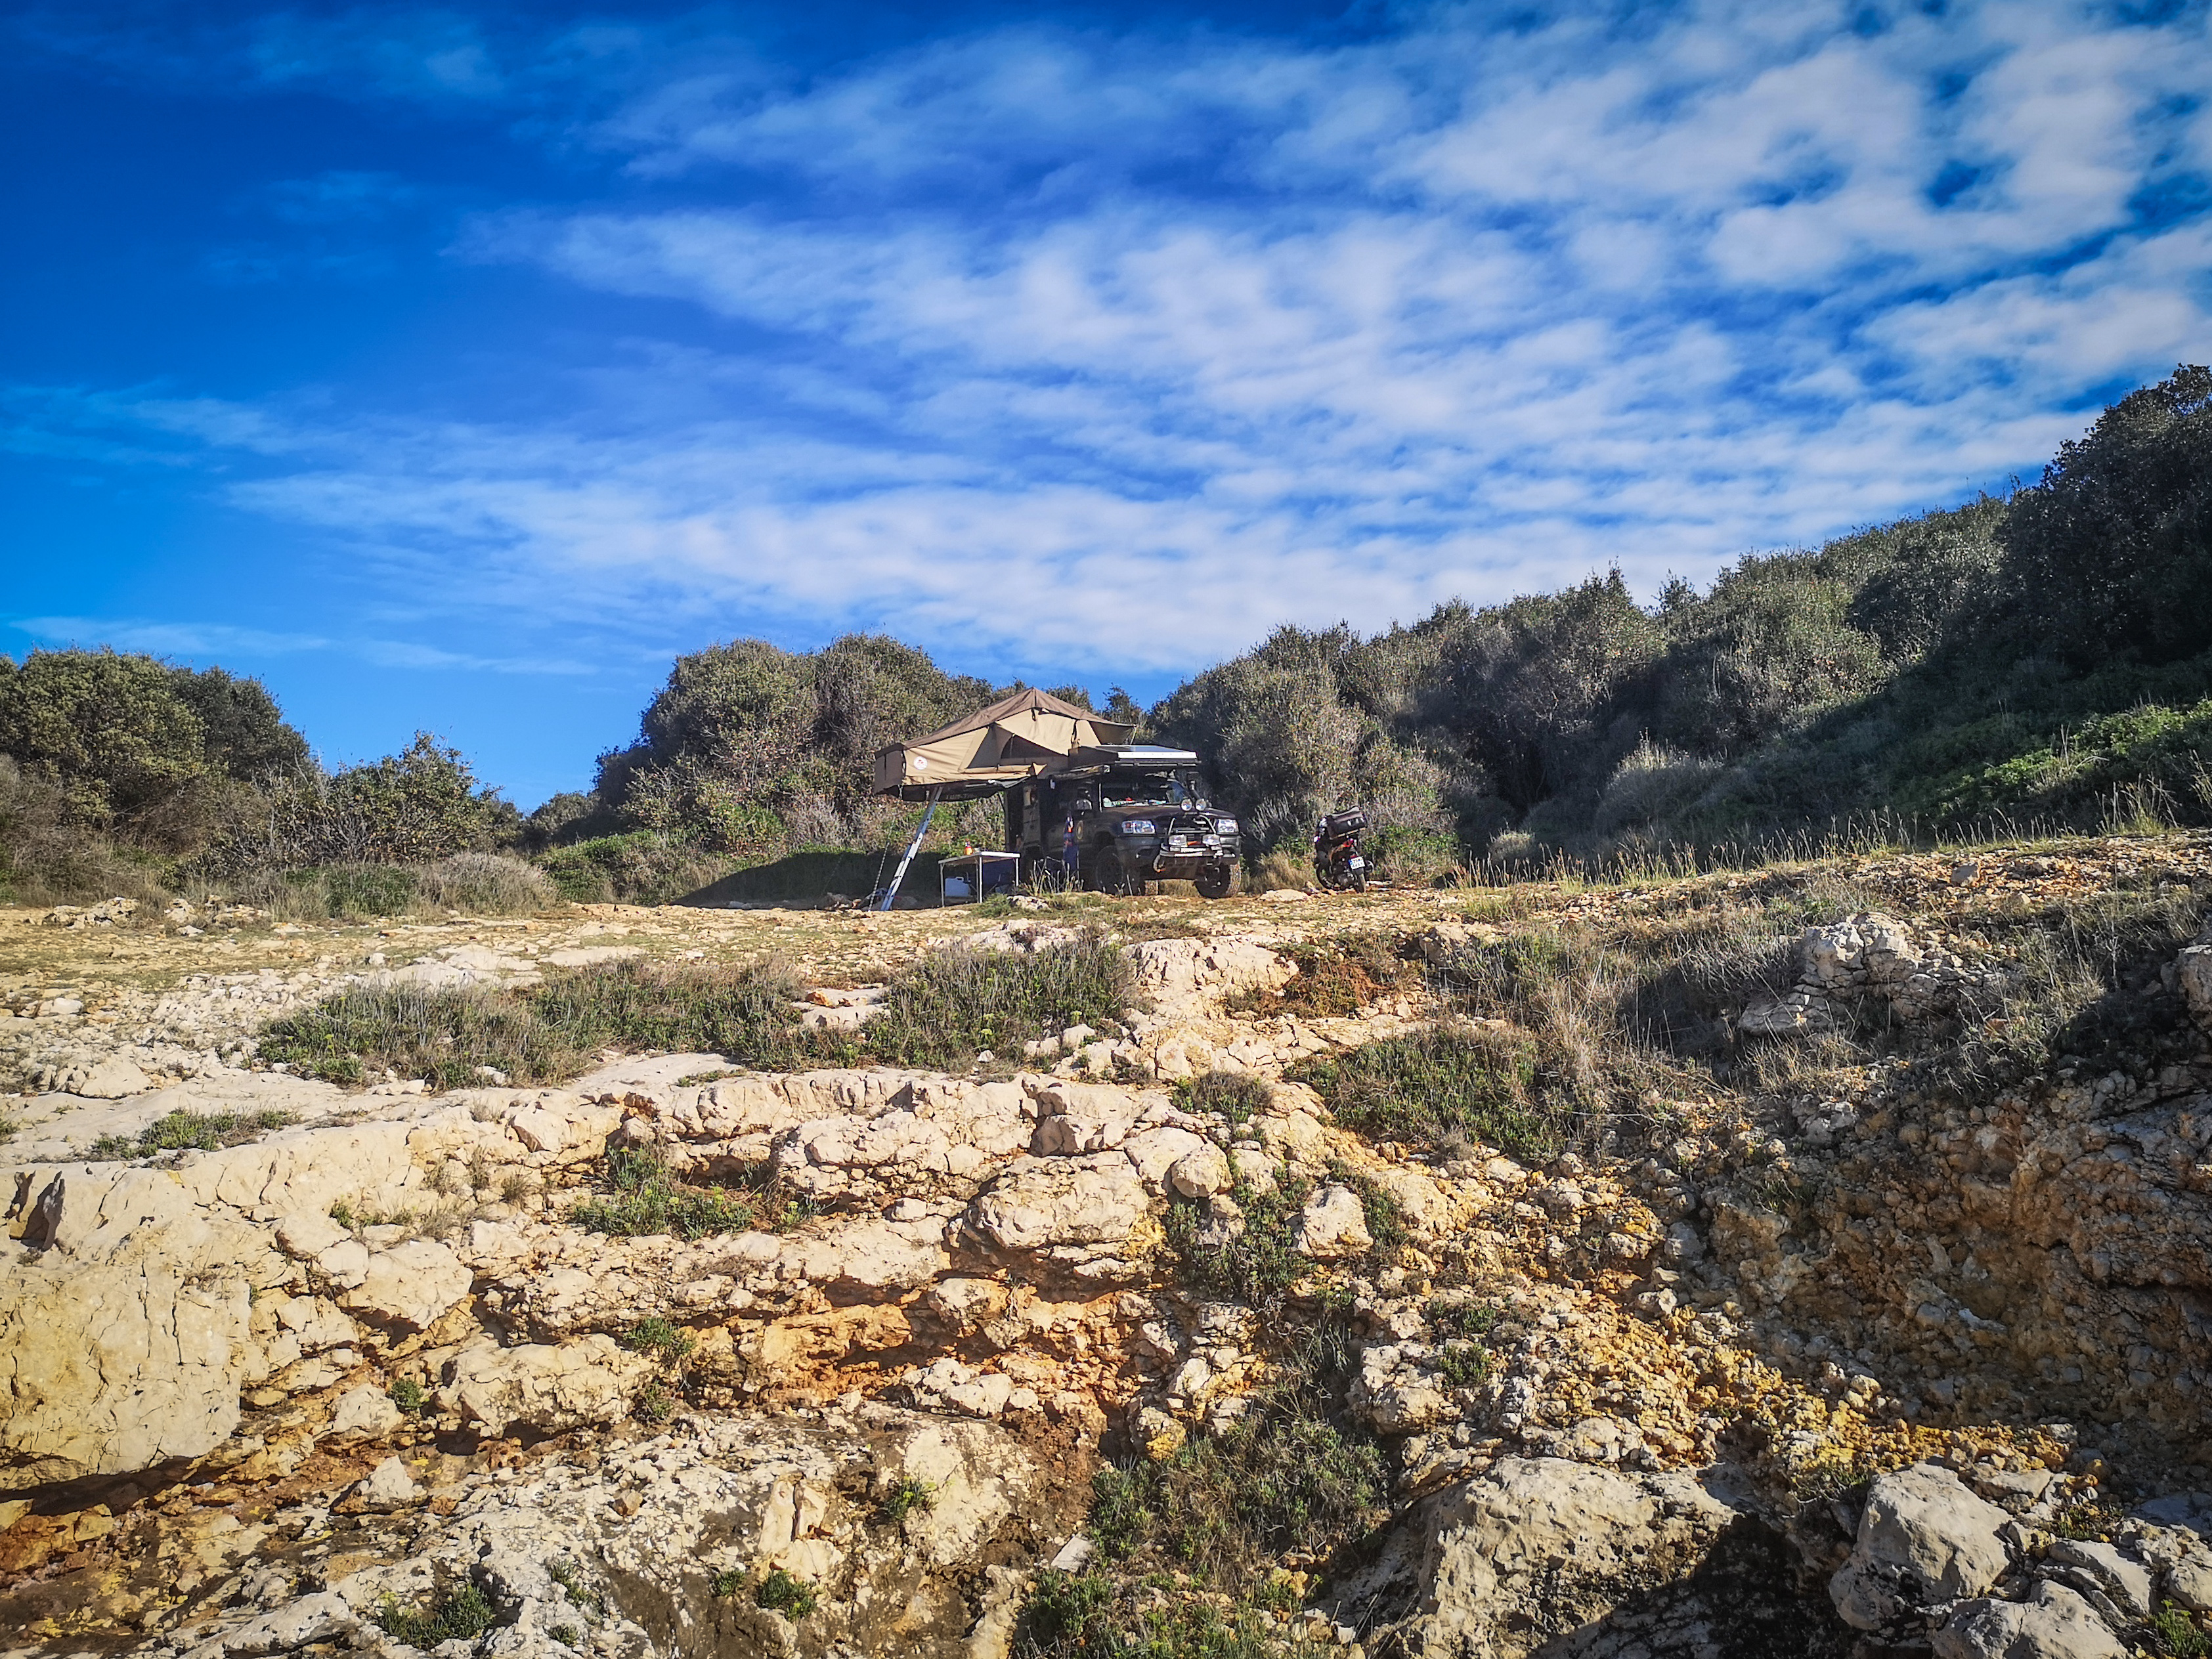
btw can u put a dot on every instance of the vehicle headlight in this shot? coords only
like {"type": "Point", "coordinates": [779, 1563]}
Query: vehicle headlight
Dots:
{"type": "Point", "coordinates": [1137, 827]}
{"type": "Point", "coordinates": [1225, 826]}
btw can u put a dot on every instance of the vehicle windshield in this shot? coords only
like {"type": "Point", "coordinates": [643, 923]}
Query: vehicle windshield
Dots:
{"type": "Point", "coordinates": [1156, 789]}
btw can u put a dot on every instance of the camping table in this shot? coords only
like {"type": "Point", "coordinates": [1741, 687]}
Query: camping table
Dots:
{"type": "Point", "coordinates": [987, 873]}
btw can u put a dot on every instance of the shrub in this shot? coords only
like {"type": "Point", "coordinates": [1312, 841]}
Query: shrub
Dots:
{"type": "Point", "coordinates": [366, 889]}
{"type": "Point", "coordinates": [728, 1581]}
{"type": "Point", "coordinates": [1095, 1613]}
{"type": "Point", "coordinates": [49, 857]}
{"type": "Point", "coordinates": [646, 1201]}
{"type": "Point", "coordinates": [407, 1394]}
{"type": "Point", "coordinates": [641, 868]}
{"type": "Point", "coordinates": [445, 1037]}
{"type": "Point", "coordinates": [904, 1497]}
{"type": "Point", "coordinates": [2178, 1635]}
{"type": "Point", "coordinates": [485, 885]}
{"type": "Point", "coordinates": [416, 806]}
{"type": "Point", "coordinates": [1429, 1087]}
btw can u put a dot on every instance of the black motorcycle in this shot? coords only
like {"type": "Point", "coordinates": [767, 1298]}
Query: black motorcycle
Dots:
{"type": "Point", "coordinates": [1338, 862]}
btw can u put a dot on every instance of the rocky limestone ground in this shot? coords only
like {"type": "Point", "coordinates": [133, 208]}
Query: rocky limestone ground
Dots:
{"type": "Point", "coordinates": [1867, 1308]}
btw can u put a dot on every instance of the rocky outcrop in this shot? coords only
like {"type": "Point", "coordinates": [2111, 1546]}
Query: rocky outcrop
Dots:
{"type": "Point", "coordinates": [663, 1546]}
{"type": "Point", "coordinates": [1538, 1548]}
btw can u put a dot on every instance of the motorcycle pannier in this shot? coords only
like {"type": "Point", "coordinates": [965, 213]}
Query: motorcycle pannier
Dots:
{"type": "Point", "coordinates": [1346, 823]}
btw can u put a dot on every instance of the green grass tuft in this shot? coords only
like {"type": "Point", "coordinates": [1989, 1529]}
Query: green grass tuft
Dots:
{"type": "Point", "coordinates": [905, 1497]}
{"type": "Point", "coordinates": [787, 1594]}
{"type": "Point", "coordinates": [953, 1004]}
{"type": "Point", "coordinates": [669, 1343]}
{"type": "Point", "coordinates": [1236, 1097]}
{"type": "Point", "coordinates": [182, 1131]}
{"type": "Point", "coordinates": [459, 1615]}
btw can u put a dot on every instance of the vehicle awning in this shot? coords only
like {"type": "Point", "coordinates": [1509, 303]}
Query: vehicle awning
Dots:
{"type": "Point", "coordinates": [1017, 737]}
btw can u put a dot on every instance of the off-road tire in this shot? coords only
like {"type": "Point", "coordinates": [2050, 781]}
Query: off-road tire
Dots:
{"type": "Point", "coordinates": [1111, 876]}
{"type": "Point", "coordinates": [1214, 881]}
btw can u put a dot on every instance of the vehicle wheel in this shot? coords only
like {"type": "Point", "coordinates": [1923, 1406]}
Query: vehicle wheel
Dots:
{"type": "Point", "coordinates": [1359, 881]}
{"type": "Point", "coordinates": [1213, 881]}
{"type": "Point", "coordinates": [1032, 867]}
{"type": "Point", "coordinates": [1108, 875]}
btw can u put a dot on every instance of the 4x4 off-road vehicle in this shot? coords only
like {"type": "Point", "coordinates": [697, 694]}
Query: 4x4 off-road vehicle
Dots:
{"type": "Point", "coordinates": [1140, 815]}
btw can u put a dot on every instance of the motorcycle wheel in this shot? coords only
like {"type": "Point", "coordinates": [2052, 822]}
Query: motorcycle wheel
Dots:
{"type": "Point", "coordinates": [1360, 880]}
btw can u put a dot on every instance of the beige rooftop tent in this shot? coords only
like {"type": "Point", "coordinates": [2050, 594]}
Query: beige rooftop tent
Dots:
{"type": "Point", "coordinates": [1016, 738]}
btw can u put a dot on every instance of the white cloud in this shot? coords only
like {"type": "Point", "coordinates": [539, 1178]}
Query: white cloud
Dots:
{"type": "Point", "coordinates": [207, 641]}
{"type": "Point", "coordinates": [1136, 345]}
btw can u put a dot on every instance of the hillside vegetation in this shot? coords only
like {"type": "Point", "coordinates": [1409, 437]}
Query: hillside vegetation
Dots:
{"type": "Point", "coordinates": [2040, 660]}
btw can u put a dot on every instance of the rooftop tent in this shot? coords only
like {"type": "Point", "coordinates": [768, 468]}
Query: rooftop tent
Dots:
{"type": "Point", "coordinates": [1016, 738]}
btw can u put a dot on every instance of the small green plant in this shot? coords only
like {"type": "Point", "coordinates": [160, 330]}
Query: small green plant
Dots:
{"type": "Point", "coordinates": [648, 1200]}
{"type": "Point", "coordinates": [729, 1581]}
{"type": "Point", "coordinates": [1472, 1320]}
{"type": "Point", "coordinates": [905, 1496]}
{"type": "Point", "coordinates": [1379, 1208]}
{"type": "Point", "coordinates": [1463, 1365]}
{"type": "Point", "coordinates": [2179, 1636]}
{"type": "Point", "coordinates": [953, 1004]}
{"type": "Point", "coordinates": [343, 1213]}
{"type": "Point", "coordinates": [567, 1635]}
{"type": "Point", "coordinates": [580, 1595]}
{"type": "Point", "coordinates": [2089, 1523]}
{"type": "Point", "coordinates": [654, 1404]}
{"type": "Point", "coordinates": [670, 1344]}
{"type": "Point", "coordinates": [407, 1394]}
{"type": "Point", "coordinates": [462, 1615]}
{"type": "Point", "coordinates": [787, 1594]}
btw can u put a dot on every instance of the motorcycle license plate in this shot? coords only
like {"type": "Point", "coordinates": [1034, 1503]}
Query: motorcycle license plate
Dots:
{"type": "Point", "coordinates": [1356, 863]}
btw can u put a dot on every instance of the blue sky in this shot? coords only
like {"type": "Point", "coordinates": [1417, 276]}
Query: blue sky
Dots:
{"type": "Point", "coordinates": [457, 366]}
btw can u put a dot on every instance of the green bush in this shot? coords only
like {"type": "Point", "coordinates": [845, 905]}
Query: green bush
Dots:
{"type": "Point", "coordinates": [905, 1497]}
{"type": "Point", "coordinates": [366, 889]}
{"type": "Point", "coordinates": [445, 1037]}
{"type": "Point", "coordinates": [1433, 1087]}
{"type": "Point", "coordinates": [1095, 1613]}
{"type": "Point", "coordinates": [485, 885]}
{"type": "Point", "coordinates": [642, 866]}
{"type": "Point", "coordinates": [671, 1344]}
